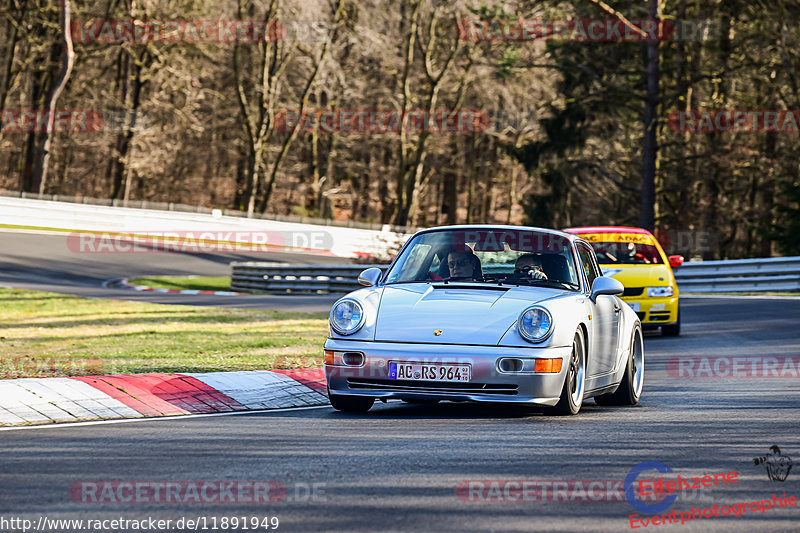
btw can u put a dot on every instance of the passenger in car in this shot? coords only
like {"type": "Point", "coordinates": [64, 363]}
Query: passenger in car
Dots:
{"type": "Point", "coordinates": [529, 265]}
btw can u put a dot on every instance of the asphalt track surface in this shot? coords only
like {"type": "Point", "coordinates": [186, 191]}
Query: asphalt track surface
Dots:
{"type": "Point", "coordinates": [43, 262]}
{"type": "Point", "coordinates": [397, 468]}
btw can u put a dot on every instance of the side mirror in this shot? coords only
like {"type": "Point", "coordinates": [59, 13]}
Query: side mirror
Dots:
{"type": "Point", "coordinates": [605, 285]}
{"type": "Point", "coordinates": [370, 277]}
{"type": "Point", "coordinates": [675, 261]}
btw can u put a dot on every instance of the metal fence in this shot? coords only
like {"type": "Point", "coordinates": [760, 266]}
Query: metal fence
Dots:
{"type": "Point", "coordinates": [738, 275]}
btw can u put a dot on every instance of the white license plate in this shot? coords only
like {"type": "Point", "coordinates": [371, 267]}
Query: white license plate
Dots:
{"type": "Point", "coordinates": [429, 372]}
{"type": "Point", "coordinates": [635, 306]}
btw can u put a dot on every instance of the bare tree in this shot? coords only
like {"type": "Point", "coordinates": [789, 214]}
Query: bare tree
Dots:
{"type": "Point", "coordinates": [412, 155]}
{"type": "Point", "coordinates": [68, 59]}
{"type": "Point", "coordinates": [258, 108]}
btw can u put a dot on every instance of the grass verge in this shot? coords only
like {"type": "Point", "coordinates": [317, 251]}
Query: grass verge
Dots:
{"type": "Point", "coordinates": [46, 334]}
{"type": "Point", "coordinates": [201, 283]}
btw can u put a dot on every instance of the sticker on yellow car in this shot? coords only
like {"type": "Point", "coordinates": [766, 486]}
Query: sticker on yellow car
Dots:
{"type": "Point", "coordinates": [639, 238]}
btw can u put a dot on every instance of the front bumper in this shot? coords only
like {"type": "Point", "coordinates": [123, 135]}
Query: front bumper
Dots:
{"type": "Point", "coordinates": [655, 311]}
{"type": "Point", "coordinates": [487, 383]}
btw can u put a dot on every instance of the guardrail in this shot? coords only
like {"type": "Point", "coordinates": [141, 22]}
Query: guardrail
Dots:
{"type": "Point", "coordinates": [737, 275]}
{"type": "Point", "coordinates": [740, 275]}
{"type": "Point", "coordinates": [282, 277]}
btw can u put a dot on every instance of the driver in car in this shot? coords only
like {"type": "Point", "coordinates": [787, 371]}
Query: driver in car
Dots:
{"type": "Point", "coordinates": [462, 265]}
{"type": "Point", "coordinates": [633, 255]}
{"type": "Point", "coordinates": [529, 265]}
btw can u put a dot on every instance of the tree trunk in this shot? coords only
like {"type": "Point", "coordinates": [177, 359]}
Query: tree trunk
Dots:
{"type": "Point", "coordinates": [8, 55]}
{"type": "Point", "coordinates": [713, 175]}
{"type": "Point", "coordinates": [131, 82]}
{"type": "Point", "coordinates": [256, 164]}
{"type": "Point", "coordinates": [400, 212]}
{"type": "Point", "coordinates": [647, 217]}
{"type": "Point", "coordinates": [313, 188]}
{"type": "Point", "coordinates": [68, 59]}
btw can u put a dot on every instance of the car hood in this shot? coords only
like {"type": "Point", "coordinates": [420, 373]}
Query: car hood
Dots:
{"type": "Point", "coordinates": [639, 275]}
{"type": "Point", "coordinates": [463, 314]}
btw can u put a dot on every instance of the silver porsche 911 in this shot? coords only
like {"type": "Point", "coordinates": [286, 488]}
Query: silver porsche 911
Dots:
{"type": "Point", "coordinates": [503, 314]}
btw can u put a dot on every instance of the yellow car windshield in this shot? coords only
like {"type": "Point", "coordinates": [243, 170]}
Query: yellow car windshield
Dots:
{"type": "Point", "coordinates": [614, 248]}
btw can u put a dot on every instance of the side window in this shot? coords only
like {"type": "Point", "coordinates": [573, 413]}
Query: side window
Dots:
{"type": "Point", "coordinates": [417, 258]}
{"type": "Point", "coordinates": [587, 262]}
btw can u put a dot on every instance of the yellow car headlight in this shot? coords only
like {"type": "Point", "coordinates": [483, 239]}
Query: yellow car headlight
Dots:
{"type": "Point", "coordinates": [660, 292]}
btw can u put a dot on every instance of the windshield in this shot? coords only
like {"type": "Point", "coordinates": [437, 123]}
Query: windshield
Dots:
{"type": "Point", "coordinates": [513, 257]}
{"type": "Point", "coordinates": [624, 248]}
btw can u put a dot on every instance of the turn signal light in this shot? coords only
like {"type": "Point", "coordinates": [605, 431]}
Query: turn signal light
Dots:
{"type": "Point", "coordinates": [547, 366]}
{"type": "Point", "coordinates": [328, 356]}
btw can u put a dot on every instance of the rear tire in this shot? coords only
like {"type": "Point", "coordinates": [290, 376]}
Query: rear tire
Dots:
{"type": "Point", "coordinates": [351, 404]}
{"type": "Point", "coordinates": [673, 330]}
{"type": "Point", "coordinates": [630, 388]}
{"type": "Point", "coordinates": [572, 393]}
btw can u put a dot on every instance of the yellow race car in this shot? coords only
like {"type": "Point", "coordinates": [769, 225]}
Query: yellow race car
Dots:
{"type": "Point", "coordinates": [635, 258]}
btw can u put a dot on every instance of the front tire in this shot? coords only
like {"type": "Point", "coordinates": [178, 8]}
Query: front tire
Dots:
{"type": "Point", "coordinates": [630, 388]}
{"type": "Point", "coordinates": [351, 404]}
{"type": "Point", "coordinates": [572, 393]}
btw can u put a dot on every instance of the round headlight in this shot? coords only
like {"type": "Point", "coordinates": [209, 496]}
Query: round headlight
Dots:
{"type": "Point", "coordinates": [346, 317]}
{"type": "Point", "coordinates": [535, 324]}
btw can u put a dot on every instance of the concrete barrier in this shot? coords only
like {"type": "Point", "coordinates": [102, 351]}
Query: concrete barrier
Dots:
{"type": "Point", "coordinates": [289, 236]}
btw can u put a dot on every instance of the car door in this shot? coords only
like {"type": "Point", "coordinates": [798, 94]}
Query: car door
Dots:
{"type": "Point", "coordinates": [605, 319]}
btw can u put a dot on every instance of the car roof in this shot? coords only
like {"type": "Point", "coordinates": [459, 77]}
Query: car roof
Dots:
{"type": "Point", "coordinates": [607, 229]}
{"type": "Point", "coordinates": [560, 233]}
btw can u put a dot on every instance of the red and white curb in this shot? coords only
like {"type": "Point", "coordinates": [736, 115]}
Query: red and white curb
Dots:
{"type": "Point", "coordinates": [123, 284]}
{"type": "Point", "coordinates": [72, 399]}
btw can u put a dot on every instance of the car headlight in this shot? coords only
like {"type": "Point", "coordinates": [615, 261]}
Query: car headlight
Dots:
{"type": "Point", "coordinates": [659, 292]}
{"type": "Point", "coordinates": [346, 317]}
{"type": "Point", "coordinates": [535, 324]}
